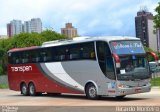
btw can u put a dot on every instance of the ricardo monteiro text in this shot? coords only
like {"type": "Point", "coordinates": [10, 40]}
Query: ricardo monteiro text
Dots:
{"type": "Point", "coordinates": [125, 109]}
{"type": "Point", "coordinates": [137, 109]}
{"type": "Point", "coordinates": [21, 68]}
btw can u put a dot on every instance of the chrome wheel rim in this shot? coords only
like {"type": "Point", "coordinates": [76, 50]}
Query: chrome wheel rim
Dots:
{"type": "Point", "coordinates": [31, 89]}
{"type": "Point", "coordinates": [92, 92]}
{"type": "Point", "coordinates": [24, 90]}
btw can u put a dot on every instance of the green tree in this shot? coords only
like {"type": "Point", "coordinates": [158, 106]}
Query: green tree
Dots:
{"type": "Point", "coordinates": [147, 49]}
{"type": "Point", "coordinates": [157, 20]}
{"type": "Point", "coordinates": [24, 40]}
{"type": "Point", "coordinates": [5, 45]}
{"type": "Point", "coordinates": [50, 35]}
{"type": "Point", "coordinates": [157, 17]}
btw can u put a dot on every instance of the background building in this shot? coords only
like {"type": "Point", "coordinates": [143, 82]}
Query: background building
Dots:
{"type": "Point", "coordinates": [158, 39]}
{"type": "Point", "coordinates": [27, 26]}
{"type": "Point", "coordinates": [9, 30]}
{"type": "Point", "coordinates": [69, 31]}
{"type": "Point", "coordinates": [145, 29]}
{"type": "Point", "coordinates": [14, 27]}
{"type": "Point", "coordinates": [36, 25]}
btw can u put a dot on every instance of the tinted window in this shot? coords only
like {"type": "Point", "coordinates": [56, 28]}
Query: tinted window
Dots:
{"type": "Point", "coordinates": [105, 59]}
{"type": "Point", "coordinates": [10, 60]}
{"type": "Point", "coordinates": [26, 57]}
{"type": "Point", "coordinates": [16, 58]}
{"type": "Point", "coordinates": [60, 53]}
{"type": "Point", "coordinates": [46, 54]}
{"type": "Point", "coordinates": [110, 68]}
{"type": "Point", "coordinates": [79, 51]}
{"type": "Point", "coordinates": [101, 55]}
{"type": "Point", "coordinates": [74, 51]}
{"type": "Point", "coordinates": [87, 51]}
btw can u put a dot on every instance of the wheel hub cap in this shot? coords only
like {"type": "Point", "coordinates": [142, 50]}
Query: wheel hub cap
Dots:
{"type": "Point", "coordinates": [92, 92]}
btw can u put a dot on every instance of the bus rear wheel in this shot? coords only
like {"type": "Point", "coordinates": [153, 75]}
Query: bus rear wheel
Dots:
{"type": "Point", "coordinates": [91, 92]}
{"type": "Point", "coordinates": [32, 89]}
{"type": "Point", "coordinates": [24, 89]}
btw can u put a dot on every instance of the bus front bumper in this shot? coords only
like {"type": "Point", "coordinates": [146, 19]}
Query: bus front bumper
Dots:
{"type": "Point", "coordinates": [133, 90]}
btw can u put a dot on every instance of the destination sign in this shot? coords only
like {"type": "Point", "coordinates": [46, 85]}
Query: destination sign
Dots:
{"type": "Point", "coordinates": [127, 47]}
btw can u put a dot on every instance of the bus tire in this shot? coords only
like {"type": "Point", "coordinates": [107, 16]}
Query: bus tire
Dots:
{"type": "Point", "coordinates": [24, 89]}
{"type": "Point", "coordinates": [32, 89]}
{"type": "Point", "coordinates": [91, 92]}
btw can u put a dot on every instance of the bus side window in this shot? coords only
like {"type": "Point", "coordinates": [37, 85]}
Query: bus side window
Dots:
{"type": "Point", "coordinates": [18, 57]}
{"type": "Point", "coordinates": [25, 57]}
{"type": "Point", "coordinates": [42, 55]}
{"type": "Point", "coordinates": [87, 50]}
{"type": "Point", "coordinates": [46, 55]}
{"type": "Point", "coordinates": [38, 59]}
{"type": "Point", "coordinates": [93, 54]}
{"type": "Point", "coordinates": [11, 58]}
{"type": "Point", "coordinates": [59, 54]}
{"type": "Point", "coordinates": [74, 52]}
{"type": "Point", "coordinates": [34, 54]}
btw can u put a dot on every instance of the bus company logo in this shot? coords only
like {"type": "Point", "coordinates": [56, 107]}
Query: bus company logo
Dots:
{"type": "Point", "coordinates": [21, 69]}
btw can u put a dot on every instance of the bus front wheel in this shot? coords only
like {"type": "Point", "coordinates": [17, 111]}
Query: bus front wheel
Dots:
{"type": "Point", "coordinates": [32, 89]}
{"type": "Point", "coordinates": [24, 89]}
{"type": "Point", "coordinates": [91, 92]}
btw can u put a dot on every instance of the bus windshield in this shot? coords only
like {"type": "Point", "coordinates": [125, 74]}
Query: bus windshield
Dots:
{"type": "Point", "coordinates": [134, 64]}
{"type": "Point", "coordinates": [127, 47]}
{"type": "Point", "coordinates": [133, 67]}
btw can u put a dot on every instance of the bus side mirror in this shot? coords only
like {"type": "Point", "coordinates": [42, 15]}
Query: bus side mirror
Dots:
{"type": "Point", "coordinates": [117, 60]}
{"type": "Point", "coordinates": [153, 65]}
{"type": "Point", "coordinates": [152, 54]}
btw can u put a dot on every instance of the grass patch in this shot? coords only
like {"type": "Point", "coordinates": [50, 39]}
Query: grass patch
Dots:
{"type": "Point", "coordinates": [3, 86]}
{"type": "Point", "coordinates": [155, 81]}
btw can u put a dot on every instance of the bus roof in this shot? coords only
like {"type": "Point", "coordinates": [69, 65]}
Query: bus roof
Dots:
{"type": "Point", "coordinates": [24, 48]}
{"type": "Point", "coordinates": [75, 40]}
{"type": "Point", "coordinates": [86, 39]}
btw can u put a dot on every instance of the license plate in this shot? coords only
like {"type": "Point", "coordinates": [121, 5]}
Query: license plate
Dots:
{"type": "Point", "coordinates": [137, 90]}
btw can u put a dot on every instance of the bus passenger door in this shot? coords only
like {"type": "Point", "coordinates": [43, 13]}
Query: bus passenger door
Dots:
{"type": "Point", "coordinates": [106, 64]}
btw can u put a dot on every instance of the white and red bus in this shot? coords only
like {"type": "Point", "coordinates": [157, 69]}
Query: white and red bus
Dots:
{"type": "Point", "coordinates": [95, 66]}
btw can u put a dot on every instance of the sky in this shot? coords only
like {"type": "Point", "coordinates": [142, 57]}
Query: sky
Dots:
{"type": "Point", "coordinates": [90, 17]}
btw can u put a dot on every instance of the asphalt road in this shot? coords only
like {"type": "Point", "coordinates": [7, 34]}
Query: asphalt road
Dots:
{"type": "Point", "coordinates": [13, 98]}
{"type": "Point", "coordinates": [8, 97]}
